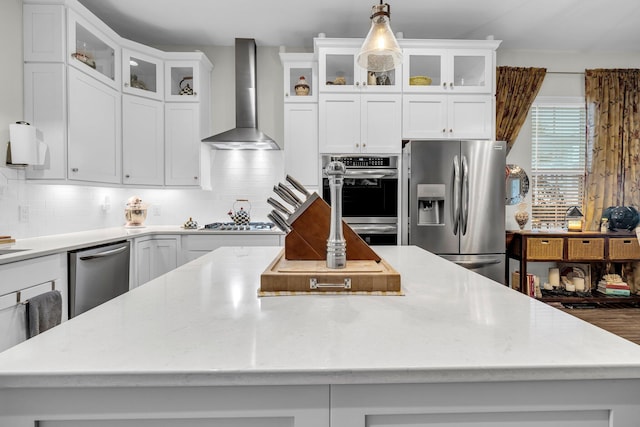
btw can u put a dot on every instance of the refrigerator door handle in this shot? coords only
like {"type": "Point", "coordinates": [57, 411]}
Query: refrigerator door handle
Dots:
{"type": "Point", "coordinates": [456, 194]}
{"type": "Point", "coordinates": [465, 195]}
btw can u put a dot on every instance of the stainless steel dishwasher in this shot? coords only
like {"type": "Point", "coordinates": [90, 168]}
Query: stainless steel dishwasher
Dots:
{"type": "Point", "coordinates": [96, 275]}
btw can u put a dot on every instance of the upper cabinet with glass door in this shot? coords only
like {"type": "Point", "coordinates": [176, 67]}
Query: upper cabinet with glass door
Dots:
{"type": "Point", "coordinates": [339, 71]}
{"type": "Point", "coordinates": [300, 77]}
{"type": "Point", "coordinates": [142, 74]}
{"type": "Point", "coordinates": [182, 81]}
{"type": "Point", "coordinates": [92, 51]}
{"type": "Point", "coordinates": [465, 66]}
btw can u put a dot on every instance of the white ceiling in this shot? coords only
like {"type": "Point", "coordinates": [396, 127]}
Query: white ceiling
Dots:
{"type": "Point", "coordinates": [579, 25]}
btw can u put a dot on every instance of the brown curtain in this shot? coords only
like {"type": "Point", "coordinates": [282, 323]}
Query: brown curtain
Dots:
{"type": "Point", "coordinates": [516, 88]}
{"type": "Point", "coordinates": [613, 138]}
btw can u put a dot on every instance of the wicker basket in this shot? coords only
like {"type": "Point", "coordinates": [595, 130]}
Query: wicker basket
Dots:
{"type": "Point", "coordinates": [420, 81]}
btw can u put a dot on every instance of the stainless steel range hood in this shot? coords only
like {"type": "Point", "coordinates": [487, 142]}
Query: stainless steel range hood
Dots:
{"type": "Point", "coordinates": [246, 135]}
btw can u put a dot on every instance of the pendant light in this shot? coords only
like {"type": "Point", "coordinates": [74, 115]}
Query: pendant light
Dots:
{"type": "Point", "coordinates": [380, 50]}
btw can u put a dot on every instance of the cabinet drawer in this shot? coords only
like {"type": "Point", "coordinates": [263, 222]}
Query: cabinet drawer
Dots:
{"type": "Point", "coordinates": [544, 249]}
{"type": "Point", "coordinates": [624, 249]}
{"type": "Point", "coordinates": [580, 249]}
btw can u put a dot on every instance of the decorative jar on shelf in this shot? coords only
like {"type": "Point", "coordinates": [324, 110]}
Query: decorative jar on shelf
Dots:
{"type": "Point", "coordinates": [521, 215]}
{"type": "Point", "coordinates": [302, 87]}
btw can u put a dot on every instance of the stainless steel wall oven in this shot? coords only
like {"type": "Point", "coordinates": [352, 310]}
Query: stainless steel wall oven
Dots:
{"type": "Point", "coordinates": [369, 196]}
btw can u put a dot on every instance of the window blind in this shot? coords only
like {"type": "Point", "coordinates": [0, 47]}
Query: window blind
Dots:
{"type": "Point", "coordinates": [558, 156]}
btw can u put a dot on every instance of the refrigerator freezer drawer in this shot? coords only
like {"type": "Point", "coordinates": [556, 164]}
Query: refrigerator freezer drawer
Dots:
{"type": "Point", "coordinates": [491, 266]}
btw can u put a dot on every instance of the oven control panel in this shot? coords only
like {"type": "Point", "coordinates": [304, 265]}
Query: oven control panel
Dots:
{"type": "Point", "coordinates": [363, 161]}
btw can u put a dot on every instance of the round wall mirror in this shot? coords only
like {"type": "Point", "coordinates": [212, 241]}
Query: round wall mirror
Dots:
{"type": "Point", "coordinates": [517, 184]}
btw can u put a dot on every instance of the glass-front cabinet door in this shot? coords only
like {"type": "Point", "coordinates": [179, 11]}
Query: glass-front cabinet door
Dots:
{"type": "Point", "coordinates": [142, 74]}
{"type": "Point", "coordinates": [339, 72]}
{"type": "Point", "coordinates": [93, 52]}
{"type": "Point", "coordinates": [182, 81]}
{"type": "Point", "coordinates": [447, 70]}
{"type": "Point", "coordinates": [300, 77]}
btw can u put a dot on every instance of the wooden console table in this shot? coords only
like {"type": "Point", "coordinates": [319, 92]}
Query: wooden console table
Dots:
{"type": "Point", "coordinates": [585, 247]}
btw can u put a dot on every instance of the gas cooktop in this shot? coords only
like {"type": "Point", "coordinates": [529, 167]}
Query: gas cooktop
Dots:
{"type": "Point", "coordinates": [252, 226]}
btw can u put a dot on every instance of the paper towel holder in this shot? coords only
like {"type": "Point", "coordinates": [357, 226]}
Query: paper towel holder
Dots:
{"type": "Point", "coordinates": [29, 149]}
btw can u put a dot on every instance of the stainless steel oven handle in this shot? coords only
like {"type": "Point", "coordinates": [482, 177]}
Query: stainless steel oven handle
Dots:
{"type": "Point", "coordinates": [371, 173]}
{"type": "Point", "coordinates": [374, 228]}
{"type": "Point", "coordinates": [104, 254]}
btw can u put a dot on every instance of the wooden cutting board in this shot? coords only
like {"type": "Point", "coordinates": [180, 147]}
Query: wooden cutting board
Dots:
{"type": "Point", "coordinates": [314, 276]}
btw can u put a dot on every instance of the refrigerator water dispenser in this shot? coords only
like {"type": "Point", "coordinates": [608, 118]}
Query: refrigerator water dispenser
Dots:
{"type": "Point", "coordinates": [431, 204]}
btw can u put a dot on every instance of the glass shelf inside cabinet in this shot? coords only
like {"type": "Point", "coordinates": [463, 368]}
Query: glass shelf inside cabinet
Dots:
{"type": "Point", "coordinates": [143, 74]}
{"type": "Point", "coordinates": [94, 53]}
{"type": "Point", "coordinates": [340, 69]}
{"type": "Point", "coordinates": [182, 81]}
{"type": "Point", "coordinates": [469, 70]}
{"type": "Point", "coordinates": [295, 77]}
{"type": "Point", "coordinates": [425, 67]}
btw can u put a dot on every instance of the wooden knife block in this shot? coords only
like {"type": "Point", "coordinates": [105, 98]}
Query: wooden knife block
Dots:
{"type": "Point", "coordinates": [310, 229]}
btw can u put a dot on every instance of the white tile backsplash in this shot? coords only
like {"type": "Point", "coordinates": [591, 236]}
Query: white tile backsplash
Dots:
{"type": "Point", "coordinates": [64, 208]}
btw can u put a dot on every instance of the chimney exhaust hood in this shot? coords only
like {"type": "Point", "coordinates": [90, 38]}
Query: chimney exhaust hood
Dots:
{"type": "Point", "coordinates": [246, 135]}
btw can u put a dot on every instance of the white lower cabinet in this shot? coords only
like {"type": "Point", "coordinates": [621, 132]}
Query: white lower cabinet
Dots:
{"type": "Point", "coordinates": [22, 280]}
{"type": "Point", "coordinates": [154, 256]}
{"type": "Point", "coordinates": [142, 141]}
{"type": "Point", "coordinates": [94, 140]}
{"type": "Point", "coordinates": [447, 116]}
{"type": "Point", "coordinates": [194, 246]}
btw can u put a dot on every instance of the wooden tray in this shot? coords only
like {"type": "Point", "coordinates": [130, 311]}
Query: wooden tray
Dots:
{"type": "Point", "coordinates": [314, 276]}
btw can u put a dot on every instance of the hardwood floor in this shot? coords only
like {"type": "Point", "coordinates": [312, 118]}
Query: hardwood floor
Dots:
{"type": "Point", "coordinates": [624, 322]}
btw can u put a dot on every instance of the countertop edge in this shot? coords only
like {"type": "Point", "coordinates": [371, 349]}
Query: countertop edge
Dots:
{"type": "Point", "coordinates": [333, 377]}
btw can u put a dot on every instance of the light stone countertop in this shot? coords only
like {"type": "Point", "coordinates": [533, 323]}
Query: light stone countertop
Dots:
{"type": "Point", "coordinates": [56, 243]}
{"type": "Point", "coordinates": [203, 324]}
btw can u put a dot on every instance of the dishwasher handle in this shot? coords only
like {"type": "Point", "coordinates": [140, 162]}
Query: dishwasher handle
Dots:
{"type": "Point", "coordinates": [104, 254]}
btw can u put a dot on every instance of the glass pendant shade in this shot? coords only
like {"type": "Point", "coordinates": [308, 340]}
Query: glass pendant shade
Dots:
{"type": "Point", "coordinates": [380, 50]}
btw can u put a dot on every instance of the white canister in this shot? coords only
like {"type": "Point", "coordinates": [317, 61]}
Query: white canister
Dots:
{"type": "Point", "coordinates": [554, 277]}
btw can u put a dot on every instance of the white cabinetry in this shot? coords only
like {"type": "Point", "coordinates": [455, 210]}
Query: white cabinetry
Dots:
{"type": "Point", "coordinates": [154, 256]}
{"type": "Point", "coordinates": [142, 74]}
{"type": "Point", "coordinates": [92, 51]}
{"type": "Point", "coordinates": [142, 141]}
{"type": "Point", "coordinates": [194, 246]}
{"type": "Point", "coordinates": [94, 139]}
{"type": "Point", "coordinates": [447, 116]}
{"type": "Point", "coordinates": [45, 108]}
{"type": "Point", "coordinates": [458, 102]}
{"type": "Point", "coordinates": [44, 33]}
{"type": "Point", "coordinates": [359, 111]}
{"type": "Point", "coordinates": [301, 118]}
{"type": "Point", "coordinates": [22, 280]}
{"type": "Point", "coordinates": [360, 123]}
{"type": "Point", "coordinates": [187, 86]}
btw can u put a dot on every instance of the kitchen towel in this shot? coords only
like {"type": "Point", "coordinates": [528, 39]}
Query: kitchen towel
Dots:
{"type": "Point", "coordinates": [44, 311]}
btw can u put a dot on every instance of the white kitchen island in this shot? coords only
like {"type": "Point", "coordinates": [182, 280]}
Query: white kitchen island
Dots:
{"type": "Point", "coordinates": [197, 347]}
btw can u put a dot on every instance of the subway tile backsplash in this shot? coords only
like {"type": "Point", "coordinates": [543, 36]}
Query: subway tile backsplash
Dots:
{"type": "Point", "coordinates": [31, 209]}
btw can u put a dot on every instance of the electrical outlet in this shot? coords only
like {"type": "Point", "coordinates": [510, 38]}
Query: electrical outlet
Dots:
{"type": "Point", "coordinates": [23, 213]}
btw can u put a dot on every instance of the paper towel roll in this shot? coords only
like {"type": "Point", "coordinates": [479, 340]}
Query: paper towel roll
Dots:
{"type": "Point", "coordinates": [24, 144]}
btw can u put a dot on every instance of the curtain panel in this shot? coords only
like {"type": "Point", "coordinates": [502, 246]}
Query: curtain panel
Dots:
{"type": "Point", "coordinates": [613, 141]}
{"type": "Point", "coordinates": [516, 88]}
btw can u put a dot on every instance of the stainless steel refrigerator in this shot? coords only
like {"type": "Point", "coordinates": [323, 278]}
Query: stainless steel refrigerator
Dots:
{"type": "Point", "coordinates": [453, 200]}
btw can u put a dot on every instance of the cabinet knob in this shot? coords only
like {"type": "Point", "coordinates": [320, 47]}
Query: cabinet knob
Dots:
{"type": "Point", "coordinates": [444, 130]}
{"type": "Point", "coordinates": [286, 95]}
{"type": "Point", "coordinates": [195, 177]}
{"type": "Point", "coordinates": [451, 84]}
{"type": "Point", "coordinates": [195, 93]}
{"type": "Point", "coordinates": [127, 176]}
{"type": "Point", "coordinates": [444, 85]}
{"type": "Point", "coordinates": [74, 169]}
{"type": "Point", "coordinates": [450, 130]}
{"type": "Point", "coordinates": [364, 145]}
{"type": "Point", "coordinates": [357, 83]}
{"type": "Point", "coordinates": [357, 145]}
{"type": "Point", "coordinates": [126, 85]}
